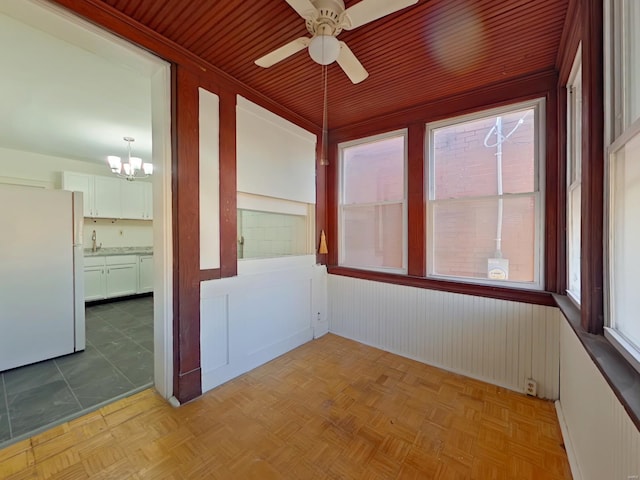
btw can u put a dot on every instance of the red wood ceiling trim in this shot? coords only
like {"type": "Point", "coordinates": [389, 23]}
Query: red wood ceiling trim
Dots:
{"type": "Point", "coordinates": [571, 34]}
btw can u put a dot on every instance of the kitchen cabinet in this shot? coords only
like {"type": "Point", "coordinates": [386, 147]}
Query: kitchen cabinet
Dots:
{"type": "Point", "coordinates": [110, 197]}
{"type": "Point", "coordinates": [106, 194]}
{"type": "Point", "coordinates": [145, 273]}
{"type": "Point", "coordinates": [122, 275]}
{"type": "Point", "coordinates": [110, 277]}
{"type": "Point", "coordinates": [136, 199]}
{"type": "Point", "coordinates": [148, 200]}
{"type": "Point", "coordinates": [80, 182]}
{"type": "Point", "coordinates": [95, 286]}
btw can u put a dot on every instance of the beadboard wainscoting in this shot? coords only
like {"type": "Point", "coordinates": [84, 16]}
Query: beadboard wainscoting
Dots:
{"type": "Point", "coordinates": [602, 441]}
{"type": "Point", "coordinates": [271, 307]}
{"type": "Point", "coordinates": [497, 341]}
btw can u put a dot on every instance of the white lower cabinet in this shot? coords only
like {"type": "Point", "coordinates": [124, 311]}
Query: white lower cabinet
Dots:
{"type": "Point", "coordinates": [95, 280]}
{"type": "Point", "coordinates": [117, 276]}
{"type": "Point", "coordinates": [145, 273]}
{"type": "Point", "coordinates": [122, 275]}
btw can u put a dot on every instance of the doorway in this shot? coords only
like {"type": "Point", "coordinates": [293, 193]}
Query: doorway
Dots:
{"type": "Point", "coordinates": [128, 341]}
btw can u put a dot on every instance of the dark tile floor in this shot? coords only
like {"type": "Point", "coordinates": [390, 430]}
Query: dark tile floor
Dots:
{"type": "Point", "coordinates": [118, 359]}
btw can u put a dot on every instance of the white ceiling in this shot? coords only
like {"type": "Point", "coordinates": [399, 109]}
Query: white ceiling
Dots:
{"type": "Point", "coordinates": [69, 90]}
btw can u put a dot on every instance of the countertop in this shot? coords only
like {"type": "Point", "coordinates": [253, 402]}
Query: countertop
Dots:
{"type": "Point", "coordinates": [106, 252]}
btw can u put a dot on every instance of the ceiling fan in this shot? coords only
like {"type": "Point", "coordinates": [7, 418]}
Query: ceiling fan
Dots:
{"type": "Point", "coordinates": [325, 19]}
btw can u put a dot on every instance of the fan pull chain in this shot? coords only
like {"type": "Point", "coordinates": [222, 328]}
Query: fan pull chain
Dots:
{"type": "Point", "coordinates": [324, 161]}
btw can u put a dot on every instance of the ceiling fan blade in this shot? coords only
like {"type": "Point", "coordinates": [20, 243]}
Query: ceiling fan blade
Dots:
{"type": "Point", "coordinates": [351, 65]}
{"type": "Point", "coordinates": [367, 11]}
{"type": "Point", "coordinates": [283, 52]}
{"type": "Point", "coordinates": [304, 7]}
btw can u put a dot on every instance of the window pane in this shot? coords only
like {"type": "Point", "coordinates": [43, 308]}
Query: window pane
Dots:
{"type": "Point", "coordinates": [465, 238]}
{"type": "Point", "coordinates": [625, 263]}
{"type": "Point", "coordinates": [469, 157]}
{"type": "Point", "coordinates": [374, 172]}
{"type": "Point", "coordinates": [632, 67]}
{"type": "Point", "coordinates": [267, 234]}
{"type": "Point", "coordinates": [574, 209]}
{"type": "Point", "coordinates": [372, 236]}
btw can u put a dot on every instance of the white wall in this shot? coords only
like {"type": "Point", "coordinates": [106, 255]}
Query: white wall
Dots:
{"type": "Point", "coordinates": [602, 442]}
{"type": "Point", "coordinates": [28, 168]}
{"type": "Point", "coordinates": [209, 178]}
{"type": "Point", "coordinates": [271, 307]}
{"type": "Point", "coordinates": [496, 341]}
{"type": "Point", "coordinates": [274, 304]}
{"type": "Point", "coordinates": [275, 157]}
{"type": "Point", "coordinates": [118, 233]}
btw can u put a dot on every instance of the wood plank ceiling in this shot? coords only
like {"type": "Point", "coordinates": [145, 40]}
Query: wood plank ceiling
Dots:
{"type": "Point", "coordinates": [432, 50]}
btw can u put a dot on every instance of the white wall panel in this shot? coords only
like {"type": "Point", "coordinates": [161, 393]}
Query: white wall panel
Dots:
{"type": "Point", "coordinates": [493, 340]}
{"type": "Point", "coordinates": [262, 313]}
{"type": "Point", "coordinates": [209, 148]}
{"type": "Point", "coordinates": [602, 440]}
{"type": "Point", "coordinates": [275, 157]}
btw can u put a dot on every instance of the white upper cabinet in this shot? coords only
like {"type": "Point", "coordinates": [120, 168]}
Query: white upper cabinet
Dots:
{"type": "Point", "coordinates": [80, 182]}
{"type": "Point", "coordinates": [133, 200]}
{"type": "Point", "coordinates": [148, 201]}
{"type": "Point", "coordinates": [107, 197]}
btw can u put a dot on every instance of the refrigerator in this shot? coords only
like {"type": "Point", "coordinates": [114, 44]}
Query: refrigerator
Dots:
{"type": "Point", "coordinates": [41, 275]}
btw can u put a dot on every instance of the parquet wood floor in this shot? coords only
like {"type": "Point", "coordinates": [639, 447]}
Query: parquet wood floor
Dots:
{"type": "Point", "coordinates": [331, 409]}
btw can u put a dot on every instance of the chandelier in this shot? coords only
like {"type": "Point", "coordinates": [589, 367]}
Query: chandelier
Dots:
{"type": "Point", "coordinates": [133, 168]}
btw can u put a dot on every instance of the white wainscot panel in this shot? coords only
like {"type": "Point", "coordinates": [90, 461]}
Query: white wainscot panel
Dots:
{"type": "Point", "coordinates": [602, 441]}
{"type": "Point", "coordinates": [500, 342]}
{"type": "Point", "coordinates": [252, 318]}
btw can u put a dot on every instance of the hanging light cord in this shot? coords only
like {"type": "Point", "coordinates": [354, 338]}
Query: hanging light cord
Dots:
{"type": "Point", "coordinates": [325, 140]}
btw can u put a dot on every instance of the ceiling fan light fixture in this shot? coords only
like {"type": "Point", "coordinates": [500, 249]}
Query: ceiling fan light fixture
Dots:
{"type": "Point", "coordinates": [324, 49]}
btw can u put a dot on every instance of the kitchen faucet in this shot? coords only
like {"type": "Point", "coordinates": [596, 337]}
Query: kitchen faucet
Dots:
{"type": "Point", "coordinates": [94, 245]}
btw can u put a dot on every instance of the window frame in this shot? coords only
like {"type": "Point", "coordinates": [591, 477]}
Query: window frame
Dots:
{"type": "Point", "coordinates": [539, 106]}
{"type": "Point", "coordinates": [619, 131]}
{"type": "Point", "coordinates": [340, 204]}
{"type": "Point", "coordinates": [574, 179]}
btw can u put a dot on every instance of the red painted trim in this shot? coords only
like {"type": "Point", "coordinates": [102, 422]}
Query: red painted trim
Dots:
{"type": "Point", "coordinates": [511, 294]}
{"type": "Point", "coordinates": [210, 274]}
{"type": "Point", "coordinates": [416, 178]}
{"type": "Point", "coordinates": [592, 300]}
{"type": "Point", "coordinates": [569, 41]}
{"type": "Point", "coordinates": [554, 214]}
{"type": "Point", "coordinates": [332, 203]}
{"type": "Point", "coordinates": [321, 203]}
{"type": "Point", "coordinates": [228, 189]}
{"type": "Point", "coordinates": [186, 260]}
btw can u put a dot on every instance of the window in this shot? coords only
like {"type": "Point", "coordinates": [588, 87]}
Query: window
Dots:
{"type": "Point", "coordinates": [372, 211]}
{"type": "Point", "coordinates": [269, 227]}
{"type": "Point", "coordinates": [624, 181]}
{"type": "Point", "coordinates": [485, 205]}
{"type": "Point", "coordinates": [574, 171]}
{"type": "Point", "coordinates": [269, 234]}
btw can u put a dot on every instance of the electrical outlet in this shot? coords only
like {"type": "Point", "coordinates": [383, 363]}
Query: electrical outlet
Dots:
{"type": "Point", "coordinates": [530, 387]}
